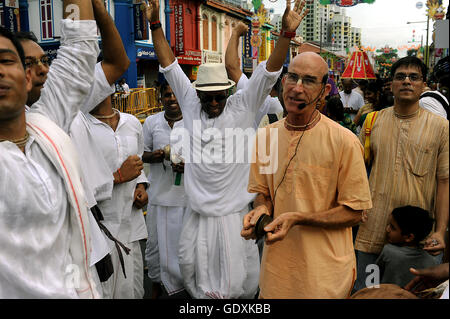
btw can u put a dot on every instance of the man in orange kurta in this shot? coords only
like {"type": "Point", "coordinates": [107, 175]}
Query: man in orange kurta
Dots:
{"type": "Point", "coordinates": [314, 183]}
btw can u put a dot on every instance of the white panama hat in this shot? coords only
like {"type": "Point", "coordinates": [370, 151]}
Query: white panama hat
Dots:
{"type": "Point", "coordinates": [212, 77]}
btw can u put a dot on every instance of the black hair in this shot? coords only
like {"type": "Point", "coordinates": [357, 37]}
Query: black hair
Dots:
{"type": "Point", "coordinates": [335, 108]}
{"type": "Point", "coordinates": [26, 36]}
{"type": "Point", "coordinates": [10, 36]}
{"type": "Point", "coordinates": [410, 60]}
{"type": "Point", "coordinates": [373, 87]}
{"type": "Point", "coordinates": [413, 220]}
{"type": "Point", "coordinates": [163, 86]}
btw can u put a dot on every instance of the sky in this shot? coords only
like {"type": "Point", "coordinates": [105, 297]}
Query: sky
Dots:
{"type": "Point", "coordinates": [384, 22]}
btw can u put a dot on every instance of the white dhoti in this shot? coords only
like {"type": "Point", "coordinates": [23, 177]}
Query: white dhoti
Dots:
{"type": "Point", "coordinates": [164, 226]}
{"type": "Point", "coordinates": [131, 287]}
{"type": "Point", "coordinates": [215, 261]}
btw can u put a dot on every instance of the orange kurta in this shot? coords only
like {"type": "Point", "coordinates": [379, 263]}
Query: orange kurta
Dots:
{"type": "Point", "coordinates": [327, 171]}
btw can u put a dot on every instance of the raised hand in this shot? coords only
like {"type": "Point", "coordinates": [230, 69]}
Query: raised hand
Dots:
{"type": "Point", "coordinates": [292, 18]}
{"type": "Point", "coordinates": [152, 10]}
{"type": "Point", "coordinates": [240, 29]}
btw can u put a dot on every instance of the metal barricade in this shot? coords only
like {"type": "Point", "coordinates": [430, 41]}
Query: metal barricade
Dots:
{"type": "Point", "coordinates": [139, 102]}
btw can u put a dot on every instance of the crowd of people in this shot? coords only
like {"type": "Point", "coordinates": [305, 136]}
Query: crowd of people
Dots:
{"type": "Point", "coordinates": [271, 186]}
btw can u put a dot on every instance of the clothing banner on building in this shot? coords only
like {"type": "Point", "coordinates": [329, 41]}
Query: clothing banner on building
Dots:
{"type": "Point", "coordinates": [140, 22]}
{"type": "Point", "coordinates": [193, 57]}
{"type": "Point", "coordinates": [179, 29]}
{"type": "Point", "coordinates": [10, 14]}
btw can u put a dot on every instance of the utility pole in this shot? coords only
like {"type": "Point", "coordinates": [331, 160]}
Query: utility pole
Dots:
{"type": "Point", "coordinates": [427, 57]}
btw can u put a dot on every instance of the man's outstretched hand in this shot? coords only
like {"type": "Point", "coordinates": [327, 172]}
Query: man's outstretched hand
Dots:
{"type": "Point", "coordinates": [292, 18]}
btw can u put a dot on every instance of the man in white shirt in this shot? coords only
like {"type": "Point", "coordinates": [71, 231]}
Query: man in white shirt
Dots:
{"type": "Point", "coordinates": [168, 201]}
{"type": "Point", "coordinates": [215, 261]}
{"type": "Point", "coordinates": [351, 99]}
{"type": "Point", "coordinates": [97, 180]}
{"type": "Point", "coordinates": [434, 101]}
{"type": "Point", "coordinates": [271, 104]}
{"type": "Point", "coordinates": [39, 175]}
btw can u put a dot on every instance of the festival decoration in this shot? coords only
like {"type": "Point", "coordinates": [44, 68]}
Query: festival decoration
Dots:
{"type": "Point", "coordinates": [345, 3]}
{"type": "Point", "coordinates": [435, 9]}
{"type": "Point", "coordinates": [387, 50]}
{"type": "Point", "coordinates": [366, 49]}
{"type": "Point", "coordinates": [359, 67]}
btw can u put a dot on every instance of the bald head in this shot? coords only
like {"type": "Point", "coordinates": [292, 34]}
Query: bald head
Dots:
{"type": "Point", "coordinates": [347, 85]}
{"type": "Point", "coordinates": [311, 58]}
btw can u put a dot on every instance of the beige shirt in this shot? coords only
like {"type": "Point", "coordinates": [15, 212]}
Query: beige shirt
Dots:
{"type": "Point", "coordinates": [327, 171]}
{"type": "Point", "coordinates": [409, 155]}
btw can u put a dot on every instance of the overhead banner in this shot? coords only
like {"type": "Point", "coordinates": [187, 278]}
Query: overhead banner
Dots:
{"type": "Point", "coordinates": [179, 29]}
{"type": "Point", "coordinates": [345, 3]}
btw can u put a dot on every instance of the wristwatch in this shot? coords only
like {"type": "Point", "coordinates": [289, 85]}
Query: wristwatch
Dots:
{"type": "Point", "coordinates": [155, 25]}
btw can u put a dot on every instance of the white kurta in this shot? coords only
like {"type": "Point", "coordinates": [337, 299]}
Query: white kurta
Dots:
{"type": "Point", "coordinates": [271, 105]}
{"type": "Point", "coordinates": [35, 228]}
{"type": "Point", "coordinates": [215, 261]}
{"type": "Point", "coordinates": [96, 176]}
{"type": "Point", "coordinates": [168, 207]}
{"type": "Point", "coordinates": [119, 216]}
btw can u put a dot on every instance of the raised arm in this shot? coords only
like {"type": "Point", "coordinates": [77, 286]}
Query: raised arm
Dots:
{"type": "Point", "coordinates": [162, 47]}
{"type": "Point", "coordinates": [115, 60]}
{"type": "Point", "coordinates": [289, 23]}
{"type": "Point", "coordinates": [78, 10]}
{"type": "Point", "coordinates": [231, 54]}
{"type": "Point", "coordinates": [72, 72]}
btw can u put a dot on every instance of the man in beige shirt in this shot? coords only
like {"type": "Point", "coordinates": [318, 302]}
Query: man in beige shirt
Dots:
{"type": "Point", "coordinates": [410, 165]}
{"type": "Point", "coordinates": [315, 187]}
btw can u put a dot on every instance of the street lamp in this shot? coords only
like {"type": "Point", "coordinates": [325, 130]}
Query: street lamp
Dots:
{"type": "Point", "coordinates": [427, 53]}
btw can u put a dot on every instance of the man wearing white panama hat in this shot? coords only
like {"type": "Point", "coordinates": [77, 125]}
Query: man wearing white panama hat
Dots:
{"type": "Point", "coordinates": [215, 261]}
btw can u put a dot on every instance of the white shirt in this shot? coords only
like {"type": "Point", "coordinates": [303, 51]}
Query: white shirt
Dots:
{"type": "Point", "coordinates": [216, 185]}
{"type": "Point", "coordinates": [116, 147]}
{"type": "Point", "coordinates": [431, 104]}
{"type": "Point", "coordinates": [97, 180]}
{"type": "Point", "coordinates": [353, 100]}
{"type": "Point", "coordinates": [163, 191]}
{"type": "Point", "coordinates": [271, 104]}
{"type": "Point", "coordinates": [35, 236]}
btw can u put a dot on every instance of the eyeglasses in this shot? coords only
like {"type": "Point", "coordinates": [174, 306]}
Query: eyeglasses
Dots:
{"type": "Point", "coordinates": [307, 81]}
{"type": "Point", "coordinates": [208, 98]}
{"type": "Point", "coordinates": [31, 60]}
{"type": "Point", "coordinates": [413, 77]}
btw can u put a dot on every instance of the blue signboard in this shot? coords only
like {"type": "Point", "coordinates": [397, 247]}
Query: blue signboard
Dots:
{"type": "Point", "coordinates": [145, 52]}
